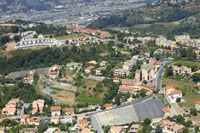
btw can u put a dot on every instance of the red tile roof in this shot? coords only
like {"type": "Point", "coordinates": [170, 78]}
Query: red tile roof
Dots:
{"type": "Point", "coordinates": [169, 87]}
{"type": "Point", "coordinates": [55, 108]}
{"type": "Point", "coordinates": [84, 121]}
{"type": "Point", "coordinates": [176, 92]}
{"type": "Point", "coordinates": [89, 68]}
{"type": "Point", "coordinates": [197, 102]}
{"type": "Point", "coordinates": [165, 110]}
{"type": "Point", "coordinates": [24, 116]}
{"type": "Point", "coordinates": [53, 73]}
{"type": "Point", "coordinates": [69, 109]}
{"type": "Point", "coordinates": [35, 119]}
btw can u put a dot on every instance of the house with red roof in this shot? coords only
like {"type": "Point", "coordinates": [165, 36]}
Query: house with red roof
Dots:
{"type": "Point", "coordinates": [69, 111]}
{"type": "Point", "coordinates": [168, 89]}
{"type": "Point", "coordinates": [99, 70]}
{"type": "Point", "coordinates": [35, 121]}
{"type": "Point", "coordinates": [108, 106]}
{"type": "Point", "coordinates": [116, 129]}
{"type": "Point", "coordinates": [197, 105]}
{"type": "Point", "coordinates": [89, 69]}
{"type": "Point", "coordinates": [174, 96]}
{"type": "Point", "coordinates": [55, 110]}
{"type": "Point", "coordinates": [25, 119]}
{"type": "Point", "coordinates": [166, 111]}
{"type": "Point", "coordinates": [83, 123]}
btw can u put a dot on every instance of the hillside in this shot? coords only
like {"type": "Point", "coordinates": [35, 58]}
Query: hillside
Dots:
{"type": "Point", "coordinates": [161, 18]}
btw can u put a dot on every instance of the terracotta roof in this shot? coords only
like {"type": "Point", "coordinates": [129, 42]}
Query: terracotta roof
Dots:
{"type": "Point", "coordinates": [103, 54]}
{"type": "Point", "coordinates": [69, 109]}
{"type": "Point", "coordinates": [108, 105]}
{"type": "Point", "coordinates": [53, 73]}
{"type": "Point", "coordinates": [55, 108]}
{"type": "Point", "coordinates": [176, 92]}
{"type": "Point", "coordinates": [165, 110]}
{"type": "Point", "coordinates": [89, 68]}
{"type": "Point", "coordinates": [24, 116]}
{"type": "Point", "coordinates": [152, 62]}
{"type": "Point", "coordinates": [125, 82]}
{"type": "Point", "coordinates": [116, 79]}
{"type": "Point", "coordinates": [177, 127]}
{"type": "Point", "coordinates": [126, 89]}
{"type": "Point", "coordinates": [56, 66]}
{"type": "Point", "coordinates": [197, 102]}
{"type": "Point", "coordinates": [116, 128]}
{"type": "Point", "coordinates": [100, 68]}
{"type": "Point", "coordinates": [84, 121]}
{"type": "Point", "coordinates": [35, 119]}
{"type": "Point", "coordinates": [169, 87]}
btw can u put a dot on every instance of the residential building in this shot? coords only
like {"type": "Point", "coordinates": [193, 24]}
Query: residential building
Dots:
{"type": "Point", "coordinates": [168, 89]}
{"type": "Point", "coordinates": [174, 96]}
{"type": "Point", "coordinates": [121, 72]}
{"type": "Point", "coordinates": [99, 70]}
{"type": "Point", "coordinates": [35, 121]}
{"type": "Point", "coordinates": [55, 111]}
{"type": "Point", "coordinates": [29, 79]}
{"type": "Point", "coordinates": [89, 69]}
{"type": "Point", "coordinates": [37, 105]}
{"type": "Point", "coordinates": [73, 65]}
{"type": "Point", "coordinates": [55, 119]}
{"type": "Point", "coordinates": [10, 107]}
{"type": "Point", "coordinates": [69, 111]}
{"type": "Point", "coordinates": [108, 106]}
{"type": "Point", "coordinates": [166, 112]}
{"type": "Point", "coordinates": [116, 129]}
{"type": "Point", "coordinates": [8, 111]}
{"type": "Point", "coordinates": [83, 123]}
{"type": "Point", "coordinates": [182, 70]}
{"type": "Point", "coordinates": [25, 119]}
{"type": "Point", "coordinates": [2, 130]}
{"type": "Point", "coordinates": [148, 72]}
{"type": "Point", "coordinates": [134, 128]}
{"type": "Point", "coordinates": [197, 105]}
{"type": "Point", "coordinates": [129, 64]}
{"type": "Point", "coordinates": [103, 63]}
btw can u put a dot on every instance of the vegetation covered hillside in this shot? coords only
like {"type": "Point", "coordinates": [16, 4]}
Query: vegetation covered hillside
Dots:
{"type": "Point", "coordinates": [165, 16]}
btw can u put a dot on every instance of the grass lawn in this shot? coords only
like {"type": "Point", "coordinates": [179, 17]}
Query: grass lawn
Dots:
{"type": "Point", "coordinates": [177, 83]}
{"type": "Point", "coordinates": [190, 99]}
{"type": "Point", "coordinates": [57, 89]}
{"type": "Point", "coordinates": [87, 95]}
{"type": "Point", "coordinates": [69, 73]}
{"type": "Point", "coordinates": [69, 36]}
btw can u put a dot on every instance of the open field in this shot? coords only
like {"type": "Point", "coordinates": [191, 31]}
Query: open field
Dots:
{"type": "Point", "coordinates": [87, 95]}
{"type": "Point", "coordinates": [187, 63]}
{"type": "Point", "coordinates": [190, 98]}
{"type": "Point", "coordinates": [177, 83]}
{"type": "Point", "coordinates": [71, 36]}
{"type": "Point", "coordinates": [196, 120]}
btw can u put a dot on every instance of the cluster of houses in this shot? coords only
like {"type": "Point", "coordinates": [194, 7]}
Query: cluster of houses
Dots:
{"type": "Point", "coordinates": [187, 41]}
{"type": "Point", "coordinates": [28, 40]}
{"type": "Point", "coordinates": [169, 126]}
{"type": "Point", "coordinates": [102, 34]}
{"type": "Point", "coordinates": [135, 87]}
{"type": "Point", "coordinates": [11, 107]}
{"type": "Point", "coordinates": [181, 70]}
{"type": "Point", "coordinates": [163, 42]}
{"type": "Point", "coordinates": [98, 71]}
{"type": "Point", "coordinates": [58, 115]}
{"type": "Point", "coordinates": [83, 40]}
{"type": "Point", "coordinates": [126, 67]}
{"type": "Point", "coordinates": [172, 95]}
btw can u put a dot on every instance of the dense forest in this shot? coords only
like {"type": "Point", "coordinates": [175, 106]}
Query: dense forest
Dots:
{"type": "Point", "coordinates": [29, 59]}
{"type": "Point", "coordinates": [156, 17]}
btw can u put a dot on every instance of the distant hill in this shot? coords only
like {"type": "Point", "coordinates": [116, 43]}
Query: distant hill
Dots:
{"type": "Point", "coordinates": [163, 17]}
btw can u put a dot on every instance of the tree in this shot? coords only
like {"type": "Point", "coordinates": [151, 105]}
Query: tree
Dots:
{"type": "Point", "coordinates": [143, 93]}
{"type": "Point", "coordinates": [193, 111]}
{"type": "Point", "coordinates": [35, 77]}
{"type": "Point", "coordinates": [17, 38]}
{"type": "Point", "coordinates": [147, 121]}
{"type": "Point", "coordinates": [169, 71]}
{"type": "Point", "coordinates": [188, 123]}
{"type": "Point", "coordinates": [117, 100]}
{"type": "Point", "coordinates": [158, 129]}
{"type": "Point", "coordinates": [185, 130]}
{"type": "Point", "coordinates": [42, 128]}
{"type": "Point", "coordinates": [196, 77]}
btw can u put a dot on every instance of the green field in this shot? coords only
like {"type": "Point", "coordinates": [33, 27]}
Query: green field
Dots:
{"type": "Point", "coordinates": [190, 64]}
{"type": "Point", "coordinates": [57, 89]}
{"type": "Point", "coordinates": [87, 95]}
{"type": "Point", "coordinates": [190, 98]}
{"type": "Point", "coordinates": [71, 36]}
